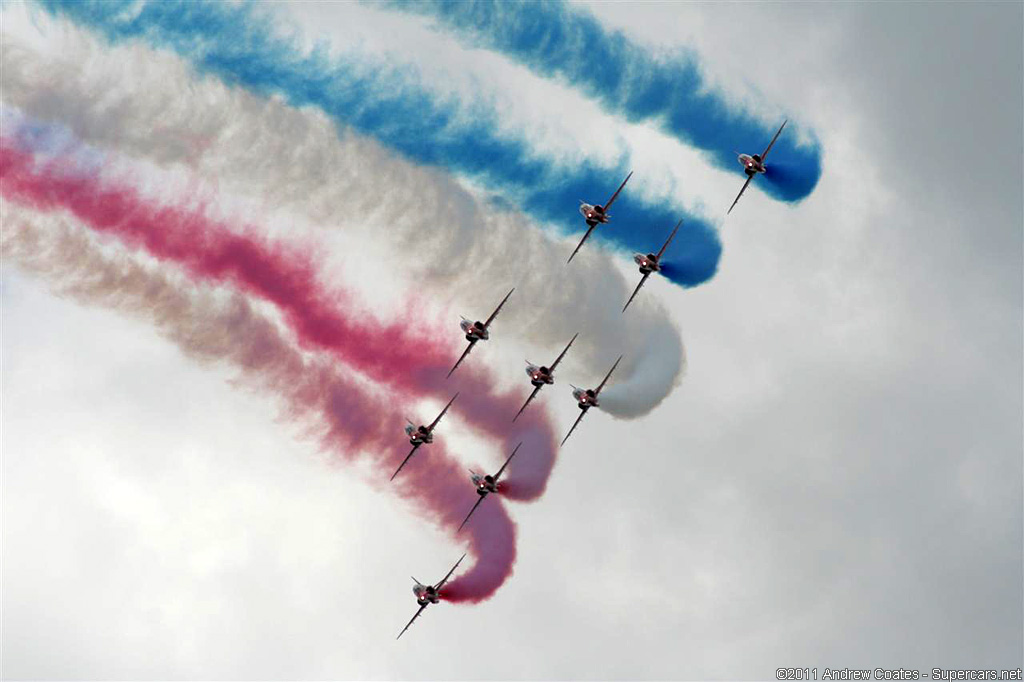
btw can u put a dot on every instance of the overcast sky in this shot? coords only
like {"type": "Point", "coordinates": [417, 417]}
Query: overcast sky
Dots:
{"type": "Point", "coordinates": [837, 481]}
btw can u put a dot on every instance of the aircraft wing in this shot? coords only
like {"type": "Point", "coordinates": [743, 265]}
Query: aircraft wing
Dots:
{"type": "Point", "coordinates": [495, 313]}
{"type": "Point", "coordinates": [405, 460]}
{"type": "Point", "coordinates": [616, 195]}
{"type": "Point", "coordinates": [744, 189]}
{"type": "Point", "coordinates": [411, 621]}
{"type": "Point", "coordinates": [669, 240]}
{"type": "Point", "coordinates": [576, 423]}
{"type": "Point", "coordinates": [445, 579]}
{"type": "Point", "coordinates": [589, 230]}
{"type": "Point", "coordinates": [466, 520]}
{"type": "Point", "coordinates": [562, 355]}
{"type": "Point", "coordinates": [636, 291]}
{"type": "Point", "coordinates": [773, 139]}
{"type": "Point", "coordinates": [462, 357]}
{"type": "Point", "coordinates": [533, 395]}
{"type": "Point", "coordinates": [598, 389]}
{"type": "Point", "coordinates": [434, 423]}
{"type": "Point", "coordinates": [502, 469]}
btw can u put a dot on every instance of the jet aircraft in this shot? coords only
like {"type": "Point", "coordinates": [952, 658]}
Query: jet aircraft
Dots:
{"type": "Point", "coordinates": [418, 435]}
{"type": "Point", "coordinates": [486, 484]}
{"type": "Point", "coordinates": [477, 331]}
{"type": "Point", "coordinates": [752, 165]}
{"type": "Point", "coordinates": [587, 398]}
{"type": "Point", "coordinates": [428, 594]}
{"type": "Point", "coordinates": [597, 214]}
{"type": "Point", "coordinates": [650, 263]}
{"type": "Point", "coordinates": [539, 376]}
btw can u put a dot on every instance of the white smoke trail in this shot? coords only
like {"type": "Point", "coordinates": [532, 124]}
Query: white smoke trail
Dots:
{"type": "Point", "coordinates": [148, 104]}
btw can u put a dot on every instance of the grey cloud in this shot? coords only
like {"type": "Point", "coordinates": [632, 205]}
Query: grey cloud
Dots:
{"type": "Point", "coordinates": [838, 482]}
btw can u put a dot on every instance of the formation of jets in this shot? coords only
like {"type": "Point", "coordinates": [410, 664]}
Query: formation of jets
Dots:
{"type": "Point", "coordinates": [541, 375]}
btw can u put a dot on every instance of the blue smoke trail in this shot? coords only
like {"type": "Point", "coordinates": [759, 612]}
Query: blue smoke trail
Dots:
{"type": "Point", "coordinates": [784, 178]}
{"type": "Point", "coordinates": [238, 44]}
{"type": "Point", "coordinates": [671, 268]}
{"type": "Point", "coordinates": [561, 40]}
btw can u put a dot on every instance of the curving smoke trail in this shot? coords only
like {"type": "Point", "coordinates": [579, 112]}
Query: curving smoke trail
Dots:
{"type": "Point", "coordinates": [563, 40]}
{"type": "Point", "coordinates": [442, 236]}
{"type": "Point", "coordinates": [241, 44]}
{"type": "Point", "coordinates": [350, 422]}
{"type": "Point", "coordinates": [321, 318]}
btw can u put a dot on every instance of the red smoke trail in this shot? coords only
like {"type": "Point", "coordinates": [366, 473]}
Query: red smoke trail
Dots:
{"type": "Point", "coordinates": [525, 480]}
{"type": "Point", "coordinates": [348, 419]}
{"type": "Point", "coordinates": [390, 353]}
{"type": "Point", "coordinates": [440, 484]}
{"type": "Point", "coordinates": [358, 422]}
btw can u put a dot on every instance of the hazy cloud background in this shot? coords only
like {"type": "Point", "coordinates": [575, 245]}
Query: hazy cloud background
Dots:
{"type": "Point", "coordinates": [837, 482]}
